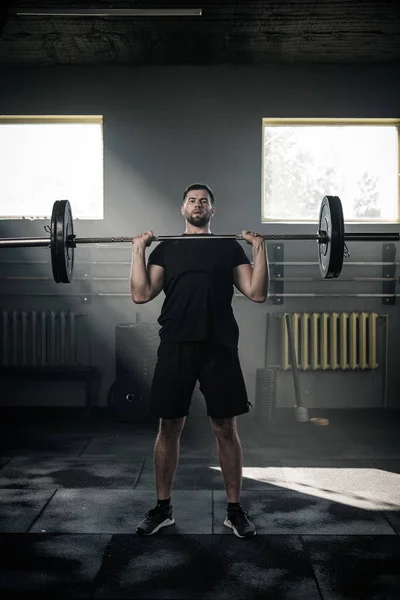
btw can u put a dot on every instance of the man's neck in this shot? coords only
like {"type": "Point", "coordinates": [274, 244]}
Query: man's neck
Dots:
{"type": "Point", "coordinates": [190, 230]}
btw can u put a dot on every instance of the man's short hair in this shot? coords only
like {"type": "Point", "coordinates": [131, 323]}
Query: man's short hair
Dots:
{"type": "Point", "coordinates": [199, 186]}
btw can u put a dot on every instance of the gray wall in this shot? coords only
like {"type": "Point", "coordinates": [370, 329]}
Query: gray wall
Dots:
{"type": "Point", "coordinates": [167, 127]}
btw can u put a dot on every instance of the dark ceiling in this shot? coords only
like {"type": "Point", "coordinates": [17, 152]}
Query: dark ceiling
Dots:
{"type": "Point", "coordinates": [253, 32]}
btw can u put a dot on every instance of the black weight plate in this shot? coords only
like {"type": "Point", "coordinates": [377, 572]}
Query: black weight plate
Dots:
{"type": "Point", "coordinates": [62, 236]}
{"type": "Point", "coordinates": [126, 401]}
{"type": "Point", "coordinates": [331, 221]}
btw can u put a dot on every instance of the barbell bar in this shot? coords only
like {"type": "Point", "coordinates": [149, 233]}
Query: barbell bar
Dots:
{"type": "Point", "coordinates": [36, 242]}
{"type": "Point", "coordinates": [330, 239]}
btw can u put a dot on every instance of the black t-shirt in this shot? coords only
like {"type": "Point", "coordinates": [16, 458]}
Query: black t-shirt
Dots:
{"type": "Point", "coordinates": [198, 289]}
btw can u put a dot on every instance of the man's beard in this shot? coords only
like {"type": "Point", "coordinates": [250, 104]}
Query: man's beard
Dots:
{"type": "Point", "coordinates": [199, 220]}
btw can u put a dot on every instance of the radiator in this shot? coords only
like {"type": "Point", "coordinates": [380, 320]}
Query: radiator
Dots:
{"type": "Point", "coordinates": [41, 338]}
{"type": "Point", "coordinates": [333, 341]}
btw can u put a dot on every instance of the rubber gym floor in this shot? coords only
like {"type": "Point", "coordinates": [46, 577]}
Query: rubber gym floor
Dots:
{"type": "Point", "coordinates": [325, 501]}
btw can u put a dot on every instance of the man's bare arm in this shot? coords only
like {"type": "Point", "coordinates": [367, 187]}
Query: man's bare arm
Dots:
{"type": "Point", "coordinates": [145, 283]}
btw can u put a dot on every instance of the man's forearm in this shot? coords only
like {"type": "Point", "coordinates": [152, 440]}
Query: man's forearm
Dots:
{"type": "Point", "coordinates": [139, 279]}
{"type": "Point", "coordinates": [260, 275]}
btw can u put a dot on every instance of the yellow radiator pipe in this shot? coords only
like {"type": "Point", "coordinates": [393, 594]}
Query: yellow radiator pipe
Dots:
{"type": "Point", "coordinates": [372, 341]}
{"type": "Point", "coordinates": [324, 340]}
{"type": "Point", "coordinates": [305, 317]}
{"type": "Point", "coordinates": [353, 340]}
{"type": "Point", "coordinates": [333, 341]}
{"type": "Point", "coordinates": [362, 340]}
{"type": "Point", "coordinates": [315, 364]}
{"type": "Point", "coordinates": [295, 330]}
{"type": "Point", "coordinates": [343, 320]}
{"type": "Point", "coordinates": [284, 344]}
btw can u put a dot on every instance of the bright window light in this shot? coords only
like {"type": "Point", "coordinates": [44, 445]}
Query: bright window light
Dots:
{"type": "Point", "coordinates": [45, 159]}
{"type": "Point", "coordinates": [355, 160]}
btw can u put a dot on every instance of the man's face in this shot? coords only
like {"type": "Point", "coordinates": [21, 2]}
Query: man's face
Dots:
{"type": "Point", "coordinates": [197, 208]}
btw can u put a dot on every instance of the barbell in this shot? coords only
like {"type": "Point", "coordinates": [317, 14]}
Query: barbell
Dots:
{"type": "Point", "coordinates": [330, 238]}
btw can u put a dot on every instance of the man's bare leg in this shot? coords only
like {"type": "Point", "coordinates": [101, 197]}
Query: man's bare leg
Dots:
{"type": "Point", "coordinates": [230, 456]}
{"type": "Point", "coordinates": [166, 455]}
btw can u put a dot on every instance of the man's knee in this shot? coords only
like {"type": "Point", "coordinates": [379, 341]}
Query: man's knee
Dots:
{"type": "Point", "coordinates": [171, 428]}
{"type": "Point", "coordinates": [224, 428]}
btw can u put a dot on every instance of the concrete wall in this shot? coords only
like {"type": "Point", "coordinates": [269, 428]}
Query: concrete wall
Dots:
{"type": "Point", "coordinates": [167, 127]}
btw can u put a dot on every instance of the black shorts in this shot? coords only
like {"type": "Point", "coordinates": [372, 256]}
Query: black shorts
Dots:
{"type": "Point", "coordinates": [181, 364]}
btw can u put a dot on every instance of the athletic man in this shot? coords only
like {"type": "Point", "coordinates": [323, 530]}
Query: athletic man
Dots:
{"type": "Point", "coordinates": [198, 341]}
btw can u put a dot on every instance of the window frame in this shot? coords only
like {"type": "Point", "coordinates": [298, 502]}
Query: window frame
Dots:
{"type": "Point", "coordinates": [56, 119]}
{"type": "Point", "coordinates": [384, 122]}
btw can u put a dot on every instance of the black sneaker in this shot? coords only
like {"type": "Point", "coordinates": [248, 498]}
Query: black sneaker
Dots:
{"type": "Point", "coordinates": [156, 518]}
{"type": "Point", "coordinates": [239, 521]}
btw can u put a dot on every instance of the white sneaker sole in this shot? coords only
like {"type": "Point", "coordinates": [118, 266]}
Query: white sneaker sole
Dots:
{"type": "Point", "coordinates": [229, 524]}
{"type": "Point", "coordinates": [163, 524]}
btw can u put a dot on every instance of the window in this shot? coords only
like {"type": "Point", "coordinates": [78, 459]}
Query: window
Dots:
{"type": "Point", "coordinates": [45, 159]}
{"type": "Point", "coordinates": [355, 159]}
